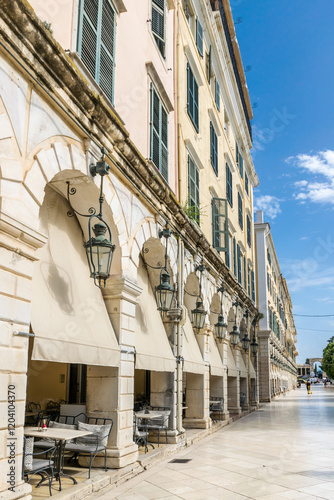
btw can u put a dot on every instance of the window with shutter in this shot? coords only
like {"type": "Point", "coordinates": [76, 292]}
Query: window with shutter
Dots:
{"type": "Point", "coordinates": [249, 280]}
{"type": "Point", "coordinates": [229, 189]}
{"type": "Point", "coordinates": [199, 37]}
{"type": "Point", "coordinates": [239, 257]}
{"type": "Point", "coordinates": [246, 183]}
{"type": "Point", "coordinates": [193, 188]}
{"type": "Point", "coordinates": [214, 148]}
{"type": "Point", "coordinates": [241, 166]}
{"type": "Point", "coordinates": [227, 253]}
{"type": "Point", "coordinates": [217, 94]}
{"type": "Point", "coordinates": [234, 258]}
{"type": "Point", "coordinates": [192, 97]}
{"type": "Point", "coordinates": [245, 274]}
{"type": "Point", "coordinates": [237, 153]}
{"type": "Point", "coordinates": [159, 134]}
{"type": "Point", "coordinates": [240, 212]}
{"type": "Point", "coordinates": [253, 287]}
{"type": "Point", "coordinates": [249, 233]}
{"type": "Point", "coordinates": [219, 224]}
{"type": "Point", "coordinates": [158, 24]}
{"type": "Point", "coordinates": [96, 42]}
{"type": "Point", "coordinates": [208, 63]}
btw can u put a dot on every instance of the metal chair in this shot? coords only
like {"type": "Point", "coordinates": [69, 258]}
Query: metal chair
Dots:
{"type": "Point", "coordinates": [159, 424]}
{"type": "Point", "coordinates": [217, 407]}
{"type": "Point", "coordinates": [139, 436]}
{"type": "Point", "coordinates": [37, 466]}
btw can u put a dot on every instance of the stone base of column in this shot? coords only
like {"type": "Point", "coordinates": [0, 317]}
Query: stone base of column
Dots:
{"type": "Point", "coordinates": [116, 458]}
{"type": "Point", "coordinates": [21, 491]}
{"type": "Point", "coordinates": [265, 400]}
{"type": "Point", "coordinates": [197, 423]}
{"type": "Point", "coordinates": [226, 415]}
{"type": "Point", "coordinates": [235, 410]}
{"type": "Point", "coordinates": [173, 437]}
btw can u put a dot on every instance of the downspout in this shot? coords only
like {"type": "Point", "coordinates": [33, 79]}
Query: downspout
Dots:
{"type": "Point", "coordinates": [178, 127]}
{"type": "Point", "coordinates": [179, 337]}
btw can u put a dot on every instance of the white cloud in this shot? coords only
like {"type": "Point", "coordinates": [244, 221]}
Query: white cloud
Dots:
{"type": "Point", "coordinates": [320, 188]}
{"type": "Point", "coordinates": [269, 204]}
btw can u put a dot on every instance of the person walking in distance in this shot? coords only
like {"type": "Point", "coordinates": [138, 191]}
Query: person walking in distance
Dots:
{"type": "Point", "coordinates": [308, 387]}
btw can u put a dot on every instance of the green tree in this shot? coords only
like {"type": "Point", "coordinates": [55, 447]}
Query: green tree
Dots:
{"type": "Point", "coordinates": [328, 360]}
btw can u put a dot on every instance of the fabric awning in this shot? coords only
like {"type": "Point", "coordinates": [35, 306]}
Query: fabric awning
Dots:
{"type": "Point", "coordinates": [216, 363]}
{"type": "Point", "coordinates": [232, 369]}
{"type": "Point", "coordinates": [153, 351]}
{"type": "Point", "coordinates": [68, 313]}
{"type": "Point", "coordinates": [193, 359]}
{"type": "Point", "coordinates": [252, 370]}
{"type": "Point", "coordinates": [242, 366]}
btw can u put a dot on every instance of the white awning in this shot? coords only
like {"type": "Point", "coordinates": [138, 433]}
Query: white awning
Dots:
{"type": "Point", "coordinates": [153, 351]}
{"type": "Point", "coordinates": [193, 359]}
{"type": "Point", "coordinates": [242, 366]}
{"type": "Point", "coordinates": [231, 366]}
{"type": "Point", "coordinates": [252, 370]}
{"type": "Point", "coordinates": [68, 313]}
{"type": "Point", "coordinates": [216, 363]}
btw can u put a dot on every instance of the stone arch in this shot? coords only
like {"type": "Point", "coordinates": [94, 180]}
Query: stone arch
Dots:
{"type": "Point", "coordinates": [153, 253]}
{"type": "Point", "coordinates": [191, 291]}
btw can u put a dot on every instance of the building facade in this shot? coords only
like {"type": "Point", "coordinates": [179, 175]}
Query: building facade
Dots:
{"type": "Point", "coordinates": [172, 113]}
{"type": "Point", "coordinates": [277, 333]}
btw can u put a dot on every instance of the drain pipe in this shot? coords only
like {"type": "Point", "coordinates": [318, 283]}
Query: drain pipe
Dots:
{"type": "Point", "coordinates": [179, 337]}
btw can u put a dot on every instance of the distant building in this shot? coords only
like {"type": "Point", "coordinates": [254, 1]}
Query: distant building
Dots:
{"type": "Point", "coordinates": [277, 333]}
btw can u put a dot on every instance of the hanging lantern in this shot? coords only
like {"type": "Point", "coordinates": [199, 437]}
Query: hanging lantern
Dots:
{"type": "Point", "coordinates": [254, 346]}
{"type": "Point", "coordinates": [164, 292]}
{"type": "Point", "coordinates": [220, 328]}
{"type": "Point", "coordinates": [99, 252]}
{"type": "Point", "coordinates": [234, 336]}
{"type": "Point", "coordinates": [245, 343]}
{"type": "Point", "coordinates": [198, 315]}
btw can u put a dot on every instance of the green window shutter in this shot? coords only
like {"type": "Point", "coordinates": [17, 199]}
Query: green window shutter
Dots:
{"type": "Point", "coordinates": [249, 280]}
{"type": "Point", "coordinates": [219, 224]}
{"type": "Point", "coordinates": [249, 233]}
{"type": "Point", "coordinates": [239, 264]}
{"type": "Point", "coordinates": [214, 148]}
{"type": "Point", "coordinates": [158, 24]}
{"type": "Point", "coordinates": [245, 274]}
{"type": "Point", "coordinates": [199, 37]}
{"type": "Point", "coordinates": [96, 42]}
{"type": "Point", "coordinates": [217, 94]}
{"type": "Point", "coordinates": [229, 189]}
{"type": "Point", "coordinates": [241, 166]}
{"type": "Point", "coordinates": [210, 63]}
{"type": "Point", "coordinates": [234, 258]}
{"type": "Point", "coordinates": [192, 97]}
{"type": "Point", "coordinates": [193, 188]}
{"type": "Point", "coordinates": [237, 153]}
{"type": "Point", "coordinates": [253, 287]}
{"type": "Point", "coordinates": [240, 211]}
{"type": "Point", "coordinates": [159, 134]}
{"type": "Point", "coordinates": [246, 183]}
{"type": "Point", "coordinates": [227, 254]}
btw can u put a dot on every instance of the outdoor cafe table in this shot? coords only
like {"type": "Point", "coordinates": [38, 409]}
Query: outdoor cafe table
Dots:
{"type": "Point", "coordinates": [148, 416]}
{"type": "Point", "coordinates": [60, 436]}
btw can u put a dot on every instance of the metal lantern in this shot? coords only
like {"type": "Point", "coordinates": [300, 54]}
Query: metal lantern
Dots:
{"type": "Point", "coordinates": [220, 328]}
{"type": "Point", "coordinates": [245, 342]}
{"type": "Point", "coordinates": [99, 251]}
{"type": "Point", "coordinates": [164, 292]}
{"type": "Point", "coordinates": [234, 336]}
{"type": "Point", "coordinates": [254, 346]}
{"type": "Point", "coordinates": [198, 315]}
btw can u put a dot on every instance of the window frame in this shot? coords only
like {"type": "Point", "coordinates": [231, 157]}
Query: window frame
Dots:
{"type": "Point", "coordinates": [193, 202]}
{"type": "Point", "coordinates": [159, 133]}
{"type": "Point", "coordinates": [249, 232]}
{"type": "Point", "coordinates": [157, 37]}
{"type": "Point", "coordinates": [229, 185]}
{"type": "Point", "coordinates": [240, 212]}
{"type": "Point", "coordinates": [193, 92]}
{"type": "Point", "coordinates": [213, 148]}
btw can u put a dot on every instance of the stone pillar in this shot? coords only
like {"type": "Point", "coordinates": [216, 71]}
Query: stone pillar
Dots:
{"type": "Point", "coordinates": [264, 365]}
{"type": "Point", "coordinates": [111, 390]}
{"type": "Point", "coordinates": [198, 391]}
{"type": "Point", "coordinates": [18, 245]}
{"type": "Point", "coordinates": [222, 347]}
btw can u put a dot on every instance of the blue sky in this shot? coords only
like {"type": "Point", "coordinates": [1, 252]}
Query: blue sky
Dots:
{"type": "Point", "coordinates": [289, 45]}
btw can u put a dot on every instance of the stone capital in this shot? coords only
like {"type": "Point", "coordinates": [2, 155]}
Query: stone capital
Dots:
{"type": "Point", "coordinates": [264, 334]}
{"type": "Point", "coordinates": [121, 287]}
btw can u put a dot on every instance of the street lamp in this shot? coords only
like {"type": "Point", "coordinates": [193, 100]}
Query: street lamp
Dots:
{"type": "Point", "coordinates": [254, 346]}
{"type": "Point", "coordinates": [199, 313]}
{"type": "Point", "coordinates": [245, 342]}
{"type": "Point", "coordinates": [221, 326]}
{"type": "Point", "coordinates": [235, 334]}
{"type": "Point", "coordinates": [164, 292]}
{"type": "Point", "coordinates": [99, 247]}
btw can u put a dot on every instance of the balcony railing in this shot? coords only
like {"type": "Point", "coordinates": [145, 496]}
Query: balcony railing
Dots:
{"type": "Point", "coordinates": [218, 5]}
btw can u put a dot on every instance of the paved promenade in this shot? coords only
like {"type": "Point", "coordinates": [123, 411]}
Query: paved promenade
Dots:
{"type": "Point", "coordinates": [284, 450]}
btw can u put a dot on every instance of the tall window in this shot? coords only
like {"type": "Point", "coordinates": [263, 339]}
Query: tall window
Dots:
{"type": "Point", "coordinates": [96, 42]}
{"type": "Point", "coordinates": [193, 188]}
{"type": "Point", "coordinates": [219, 224]}
{"type": "Point", "coordinates": [217, 94]}
{"type": "Point", "coordinates": [249, 233]}
{"type": "Point", "coordinates": [158, 24]}
{"type": "Point", "coordinates": [239, 257]}
{"type": "Point", "coordinates": [239, 160]}
{"type": "Point", "coordinates": [199, 37]}
{"type": "Point", "coordinates": [249, 279]}
{"type": "Point", "coordinates": [213, 148]}
{"type": "Point", "coordinates": [229, 190]}
{"type": "Point", "coordinates": [240, 212]}
{"type": "Point", "coordinates": [159, 134]}
{"type": "Point", "coordinates": [192, 97]}
{"type": "Point", "coordinates": [228, 252]}
{"type": "Point", "coordinates": [245, 274]}
{"type": "Point", "coordinates": [246, 183]}
{"type": "Point", "coordinates": [234, 258]}
{"type": "Point", "coordinates": [253, 287]}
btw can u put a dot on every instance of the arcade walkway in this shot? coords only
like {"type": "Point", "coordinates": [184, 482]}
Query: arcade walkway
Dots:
{"type": "Point", "coordinates": [284, 450]}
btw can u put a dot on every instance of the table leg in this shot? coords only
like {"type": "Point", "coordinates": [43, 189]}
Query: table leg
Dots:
{"type": "Point", "coordinates": [59, 463]}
